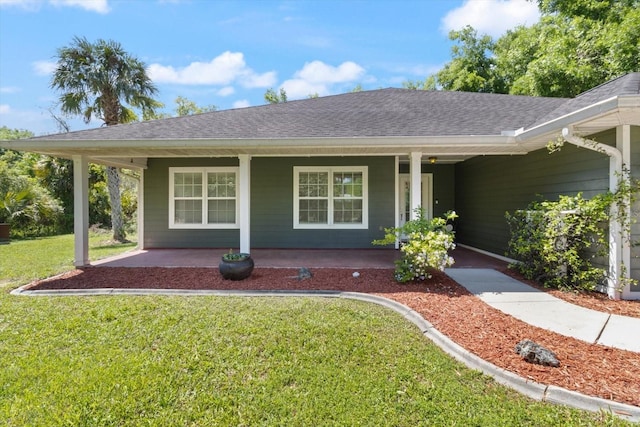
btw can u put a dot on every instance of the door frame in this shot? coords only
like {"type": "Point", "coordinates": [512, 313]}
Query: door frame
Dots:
{"type": "Point", "coordinates": [403, 197]}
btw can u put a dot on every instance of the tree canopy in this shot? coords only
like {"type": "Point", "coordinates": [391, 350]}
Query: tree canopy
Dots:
{"type": "Point", "coordinates": [102, 80]}
{"type": "Point", "coordinates": [576, 45]}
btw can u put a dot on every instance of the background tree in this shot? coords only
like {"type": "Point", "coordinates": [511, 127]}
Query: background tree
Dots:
{"type": "Point", "coordinates": [273, 97]}
{"type": "Point", "coordinates": [100, 80]}
{"type": "Point", "coordinates": [24, 202]}
{"type": "Point", "coordinates": [186, 107]}
{"type": "Point", "coordinates": [576, 45]}
{"type": "Point", "coordinates": [472, 67]}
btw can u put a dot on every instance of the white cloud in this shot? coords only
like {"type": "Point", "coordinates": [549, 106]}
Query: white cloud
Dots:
{"type": "Point", "coordinates": [43, 68]}
{"type": "Point", "coordinates": [29, 5]}
{"type": "Point", "coordinates": [493, 17]}
{"type": "Point", "coordinates": [224, 69]}
{"type": "Point", "coordinates": [297, 88]}
{"type": "Point", "coordinates": [226, 91]}
{"type": "Point", "coordinates": [316, 77]}
{"type": "Point", "coordinates": [99, 6]}
{"type": "Point", "coordinates": [242, 103]}
{"type": "Point", "coordinates": [5, 109]}
{"type": "Point", "coordinates": [319, 72]}
{"type": "Point", "coordinates": [9, 89]}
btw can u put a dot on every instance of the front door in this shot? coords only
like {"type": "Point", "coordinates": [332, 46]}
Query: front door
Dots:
{"type": "Point", "coordinates": [404, 192]}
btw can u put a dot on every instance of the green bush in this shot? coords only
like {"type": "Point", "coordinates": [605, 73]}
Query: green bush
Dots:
{"type": "Point", "coordinates": [427, 246]}
{"type": "Point", "coordinates": [25, 205]}
{"type": "Point", "coordinates": [557, 242]}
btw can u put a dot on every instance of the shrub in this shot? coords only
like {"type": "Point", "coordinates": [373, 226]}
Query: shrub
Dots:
{"type": "Point", "coordinates": [557, 242]}
{"type": "Point", "coordinates": [426, 247]}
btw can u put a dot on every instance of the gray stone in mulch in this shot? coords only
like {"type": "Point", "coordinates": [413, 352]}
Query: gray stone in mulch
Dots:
{"type": "Point", "coordinates": [304, 273]}
{"type": "Point", "coordinates": [533, 352]}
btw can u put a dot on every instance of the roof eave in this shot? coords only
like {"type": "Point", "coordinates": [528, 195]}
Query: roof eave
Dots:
{"type": "Point", "coordinates": [538, 136]}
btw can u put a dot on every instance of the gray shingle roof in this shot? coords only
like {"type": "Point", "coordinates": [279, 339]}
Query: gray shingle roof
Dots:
{"type": "Point", "coordinates": [379, 113]}
{"type": "Point", "coordinates": [629, 84]}
{"type": "Point", "coordinates": [389, 112]}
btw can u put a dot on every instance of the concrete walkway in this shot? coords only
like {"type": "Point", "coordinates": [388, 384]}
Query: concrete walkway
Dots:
{"type": "Point", "coordinates": [545, 311]}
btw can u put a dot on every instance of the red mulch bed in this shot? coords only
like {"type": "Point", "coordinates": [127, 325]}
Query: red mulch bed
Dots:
{"type": "Point", "coordinates": [587, 368]}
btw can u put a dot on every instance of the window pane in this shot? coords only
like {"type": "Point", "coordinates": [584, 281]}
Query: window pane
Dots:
{"type": "Point", "coordinates": [313, 211]}
{"type": "Point", "coordinates": [221, 212]}
{"type": "Point", "coordinates": [187, 184]}
{"type": "Point", "coordinates": [313, 184]}
{"type": "Point", "coordinates": [221, 184]}
{"type": "Point", "coordinates": [188, 212]}
{"type": "Point", "coordinates": [347, 184]}
{"type": "Point", "coordinates": [347, 211]}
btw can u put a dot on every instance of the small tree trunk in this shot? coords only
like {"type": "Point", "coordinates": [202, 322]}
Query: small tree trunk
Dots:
{"type": "Point", "coordinates": [117, 224]}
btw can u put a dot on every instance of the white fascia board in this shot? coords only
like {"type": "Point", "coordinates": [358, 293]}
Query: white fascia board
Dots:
{"type": "Point", "coordinates": [43, 144]}
{"type": "Point", "coordinates": [591, 112]}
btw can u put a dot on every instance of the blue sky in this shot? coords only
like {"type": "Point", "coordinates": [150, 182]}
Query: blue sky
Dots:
{"type": "Point", "coordinates": [228, 53]}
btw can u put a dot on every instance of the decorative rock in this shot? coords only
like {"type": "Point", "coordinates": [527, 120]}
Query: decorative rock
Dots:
{"type": "Point", "coordinates": [304, 273]}
{"type": "Point", "coordinates": [535, 353]}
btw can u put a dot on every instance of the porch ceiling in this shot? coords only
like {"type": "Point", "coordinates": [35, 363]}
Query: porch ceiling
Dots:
{"type": "Point", "coordinates": [133, 153]}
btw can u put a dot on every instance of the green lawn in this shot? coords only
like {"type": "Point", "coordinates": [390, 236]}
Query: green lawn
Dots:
{"type": "Point", "coordinates": [176, 361]}
{"type": "Point", "coordinates": [23, 261]}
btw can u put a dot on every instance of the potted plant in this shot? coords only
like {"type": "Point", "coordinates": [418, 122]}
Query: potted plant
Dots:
{"type": "Point", "coordinates": [236, 266]}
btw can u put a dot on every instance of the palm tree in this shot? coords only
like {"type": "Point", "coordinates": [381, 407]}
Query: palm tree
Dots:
{"type": "Point", "coordinates": [100, 80]}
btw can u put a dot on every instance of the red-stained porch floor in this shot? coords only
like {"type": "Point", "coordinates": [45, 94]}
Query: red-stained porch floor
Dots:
{"type": "Point", "coordinates": [288, 258]}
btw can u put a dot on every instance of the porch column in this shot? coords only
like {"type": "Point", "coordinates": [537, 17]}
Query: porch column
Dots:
{"type": "Point", "coordinates": [81, 211]}
{"type": "Point", "coordinates": [244, 187]}
{"type": "Point", "coordinates": [141, 210]}
{"type": "Point", "coordinates": [416, 183]}
{"type": "Point", "coordinates": [623, 243]}
{"type": "Point", "coordinates": [397, 207]}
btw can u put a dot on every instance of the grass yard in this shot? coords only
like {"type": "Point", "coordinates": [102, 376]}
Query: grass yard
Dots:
{"type": "Point", "coordinates": [23, 261]}
{"type": "Point", "coordinates": [160, 361]}
{"type": "Point", "coordinates": [164, 361]}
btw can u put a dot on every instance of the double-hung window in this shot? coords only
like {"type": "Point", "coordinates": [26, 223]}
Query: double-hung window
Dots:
{"type": "Point", "coordinates": [330, 197]}
{"type": "Point", "coordinates": [203, 197]}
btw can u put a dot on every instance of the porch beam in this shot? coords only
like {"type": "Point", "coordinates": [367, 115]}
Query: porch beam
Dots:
{"type": "Point", "coordinates": [416, 182]}
{"type": "Point", "coordinates": [81, 211]}
{"type": "Point", "coordinates": [244, 187]}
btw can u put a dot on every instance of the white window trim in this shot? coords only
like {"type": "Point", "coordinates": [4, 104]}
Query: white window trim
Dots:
{"type": "Point", "coordinates": [204, 171]}
{"type": "Point", "coordinates": [330, 170]}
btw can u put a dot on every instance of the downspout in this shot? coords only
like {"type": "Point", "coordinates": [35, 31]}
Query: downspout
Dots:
{"type": "Point", "coordinates": [615, 228]}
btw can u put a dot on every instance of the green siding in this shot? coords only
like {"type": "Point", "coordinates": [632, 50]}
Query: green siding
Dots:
{"type": "Point", "coordinates": [156, 209]}
{"type": "Point", "coordinates": [271, 205]}
{"type": "Point", "coordinates": [489, 186]}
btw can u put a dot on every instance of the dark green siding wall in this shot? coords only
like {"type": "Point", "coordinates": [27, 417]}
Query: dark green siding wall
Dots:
{"type": "Point", "coordinates": [271, 205]}
{"type": "Point", "coordinates": [156, 209]}
{"type": "Point", "coordinates": [487, 187]}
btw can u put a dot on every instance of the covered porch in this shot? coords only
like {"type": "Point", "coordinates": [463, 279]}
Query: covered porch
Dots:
{"type": "Point", "coordinates": [289, 258]}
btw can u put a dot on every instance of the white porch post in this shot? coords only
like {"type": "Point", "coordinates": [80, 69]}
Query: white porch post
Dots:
{"type": "Point", "coordinates": [416, 182]}
{"type": "Point", "coordinates": [623, 144]}
{"type": "Point", "coordinates": [81, 211]}
{"type": "Point", "coordinates": [244, 187]}
{"type": "Point", "coordinates": [141, 210]}
{"type": "Point", "coordinates": [397, 207]}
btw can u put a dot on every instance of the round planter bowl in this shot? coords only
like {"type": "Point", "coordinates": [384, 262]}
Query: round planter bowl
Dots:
{"type": "Point", "coordinates": [236, 270]}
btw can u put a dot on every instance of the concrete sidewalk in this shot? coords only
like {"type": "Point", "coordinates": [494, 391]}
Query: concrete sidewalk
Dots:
{"type": "Point", "coordinates": [545, 311]}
